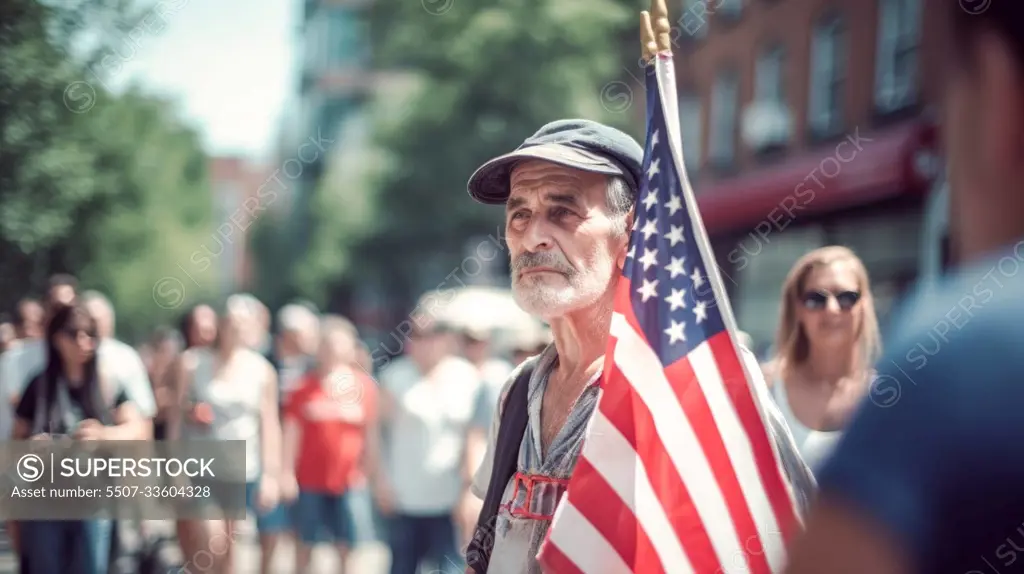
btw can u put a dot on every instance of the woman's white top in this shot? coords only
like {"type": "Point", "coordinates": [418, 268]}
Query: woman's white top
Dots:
{"type": "Point", "coordinates": [235, 402]}
{"type": "Point", "coordinates": [814, 445]}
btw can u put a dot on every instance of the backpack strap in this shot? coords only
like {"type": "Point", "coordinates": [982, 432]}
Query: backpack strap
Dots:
{"type": "Point", "coordinates": [514, 417]}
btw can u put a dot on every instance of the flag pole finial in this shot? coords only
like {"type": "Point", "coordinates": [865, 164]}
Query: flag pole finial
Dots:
{"type": "Point", "coordinates": [648, 45]}
{"type": "Point", "coordinates": [655, 31]}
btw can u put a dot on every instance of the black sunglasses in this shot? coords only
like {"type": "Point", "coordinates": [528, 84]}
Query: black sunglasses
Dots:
{"type": "Point", "coordinates": [816, 300]}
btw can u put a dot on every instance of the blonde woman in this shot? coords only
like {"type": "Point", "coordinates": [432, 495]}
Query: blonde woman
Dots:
{"type": "Point", "coordinates": [826, 345]}
{"type": "Point", "coordinates": [229, 392]}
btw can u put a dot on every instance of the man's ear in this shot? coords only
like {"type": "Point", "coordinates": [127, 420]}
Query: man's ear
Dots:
{"type": "Point", "coordinates": [620, 261]}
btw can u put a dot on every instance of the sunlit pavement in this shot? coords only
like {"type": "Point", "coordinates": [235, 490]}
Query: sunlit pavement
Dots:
{"type": "Point", "coordinates": [369, 558]}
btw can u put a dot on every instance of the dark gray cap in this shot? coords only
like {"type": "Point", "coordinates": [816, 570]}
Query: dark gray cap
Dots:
{"type": "Point", "coordinates": [579, 144]}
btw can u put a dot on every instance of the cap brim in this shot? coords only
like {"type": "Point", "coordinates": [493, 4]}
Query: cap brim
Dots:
{"type": "Point", "coordinates": [490, 182]}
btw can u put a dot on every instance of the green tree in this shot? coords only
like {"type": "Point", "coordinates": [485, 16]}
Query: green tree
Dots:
{"type": "Point", "coordinates": [485, 77]}
{"type": "Point", "coordinates": [110, 187]}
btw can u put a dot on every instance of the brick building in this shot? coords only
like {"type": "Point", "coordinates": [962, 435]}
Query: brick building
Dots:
{"type": "Point", "coordinates": [807, 123]}
{"type": "Point", "coordinates": [235, 185]}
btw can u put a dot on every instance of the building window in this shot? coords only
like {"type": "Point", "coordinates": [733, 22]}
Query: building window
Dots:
{"type": "Point", "coordinates": [766, 122]}
{"type": "Point", "coordinates": [899, 39]}
{"type": "Point", "coordinates": [724, 102]}
{"type": "Point", "coordinates": [828, 76]}
{"type": "Point", "coordinates": [695, 18]}
{"type": "Point", "coordinates": [769, 78]}
{"type": "Point", "coordinates": [690, 118]}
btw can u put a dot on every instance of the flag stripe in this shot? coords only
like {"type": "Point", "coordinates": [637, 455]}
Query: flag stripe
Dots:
{"type": "Point", "coordinates": [582, 545]}
{"type": "Point", "coordinates": [764, 457]}
{"type": "Point", "coordinates": [721, 383]}
{"type": "Point", "coordinates": [627, 410]}
{"type": "Point", "coordinates": [685, 450]}
{"type": "Point", "coordinates": [616, 460]}
{"type": "Point", "coordinates": [556, 561]}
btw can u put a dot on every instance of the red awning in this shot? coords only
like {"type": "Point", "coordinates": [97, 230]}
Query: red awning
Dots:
{"type": "Point", "coordinates": [862, 168]}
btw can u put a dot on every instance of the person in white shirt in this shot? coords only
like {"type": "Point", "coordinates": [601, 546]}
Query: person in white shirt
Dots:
{"type": "Point", "coordinates": [119, 359]}
{"type": "Point", "coordinates": [425, 411]}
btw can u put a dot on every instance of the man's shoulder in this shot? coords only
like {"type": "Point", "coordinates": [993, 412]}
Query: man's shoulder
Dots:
{"type": "Point", "coordinates": [117, 348]}
{"type": "Point", "coordinates": [528, 366]}
{"type": "Point", "coordinates": [961, 322]}
{"type": "Point", "coordinates": [955, 350]}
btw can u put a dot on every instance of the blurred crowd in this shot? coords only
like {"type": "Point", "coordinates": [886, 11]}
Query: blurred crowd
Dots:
{"type": "Point", "coordinates": [320, 421]}
{"type": "Point", "coordinates": [341, 451]}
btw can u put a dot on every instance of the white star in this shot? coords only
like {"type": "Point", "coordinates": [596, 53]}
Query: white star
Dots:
{"type": "Point", "coordinates": [700, 311]}
{"type": "Point", "coordinates": [676, 266]}
{"type": "Point", "coordinates": [632, 252]}
{"type": "Point", "coordinates": [647, 290]}
{"type": "Point", "coordinates": [650, 228]}
{"type": "Point", "coordinates": [650, 257]}
{"type": "Point", "coordinates": [696, 277]}
{"type": "Point", "coordinates": [675, 300]}
{"type": "Point", "coordinates": [636, 224]}
{"type": "Point", "coordinates": [654, 139]}
{"type": "Point", "coordinates": [653, 170]}
{"type": "Point", "coordinates": [651, 199]}
{"type": "Point", "coordinates": [675, 234]}
{"type": "Point", "coordinates": [673, 204]}
{"type": "Point", "coordinates": [675, 332]}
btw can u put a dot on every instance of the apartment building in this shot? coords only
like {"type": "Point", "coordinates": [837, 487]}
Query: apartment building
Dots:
{"type": "Point", "coordinates": [809, 123]}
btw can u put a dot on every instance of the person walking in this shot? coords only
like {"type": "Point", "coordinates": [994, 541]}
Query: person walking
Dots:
{"type": "Point", "coordinates": [229, 392]}
{"type": "Point", "coordinates": [71, 396]}
{"type": "Point", "coordinates": [325, 425]}
{"type": "Point", "coordinates": [416, 448]}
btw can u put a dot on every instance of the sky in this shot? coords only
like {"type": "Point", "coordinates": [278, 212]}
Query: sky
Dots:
{"type": "Point", "coordinates": [228, 63]}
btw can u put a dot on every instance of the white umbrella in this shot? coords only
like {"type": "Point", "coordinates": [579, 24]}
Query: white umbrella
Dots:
{"type": "Point", "coordinates": [478, 308]}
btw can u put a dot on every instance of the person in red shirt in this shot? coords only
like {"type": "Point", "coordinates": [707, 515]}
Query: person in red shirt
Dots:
{"type": "Point", "coordinates": [326, 420]}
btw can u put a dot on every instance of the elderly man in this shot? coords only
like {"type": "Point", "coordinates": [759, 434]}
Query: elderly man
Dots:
{"type": "Point", "coordinates": [569, 192]}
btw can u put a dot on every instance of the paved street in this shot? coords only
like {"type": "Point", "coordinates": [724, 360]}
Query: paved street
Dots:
{"type": "Point", "coordinates": [371, 558]}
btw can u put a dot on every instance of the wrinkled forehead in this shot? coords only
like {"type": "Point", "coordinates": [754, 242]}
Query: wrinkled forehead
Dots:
{"type": "Point", "coordinates": [536, 180]}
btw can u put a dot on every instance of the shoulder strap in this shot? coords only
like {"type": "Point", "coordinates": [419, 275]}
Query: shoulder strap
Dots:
{"type": "Point", "coordinates": [514, 417]}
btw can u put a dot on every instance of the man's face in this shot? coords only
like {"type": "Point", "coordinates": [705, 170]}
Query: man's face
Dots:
{"type": "Point", "coordinates": [983, 126]}
{"type": "Point", "coordinates": [32, 316]}
{"type": "Point", "coordinates": [565, 246]}
{"type": "Point", "coordinates": [61, 295]}
{"type": "Point", "coordinates": [103, 317]}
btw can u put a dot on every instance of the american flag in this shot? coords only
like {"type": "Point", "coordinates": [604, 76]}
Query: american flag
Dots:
{"type": "Point", "coordinates": [678, 473]}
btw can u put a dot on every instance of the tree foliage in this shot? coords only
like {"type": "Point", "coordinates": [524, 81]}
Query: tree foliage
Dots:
{"type": "Point", "coordinates": [108, 186]}
{"type": "Point", "coordinates": [486, 76]}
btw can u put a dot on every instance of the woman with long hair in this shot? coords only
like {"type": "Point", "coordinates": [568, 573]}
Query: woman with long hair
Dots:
{"type": "Point", "coordinates": [70, 397]}
{"type": "Point", "coordinates": [827, 343]}
{"type": "Point", "coordinates": [229, 392]}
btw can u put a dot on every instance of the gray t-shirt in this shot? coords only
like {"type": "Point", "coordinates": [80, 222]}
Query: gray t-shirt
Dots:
{"type": "Point", "coordinates": [521, 524]}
